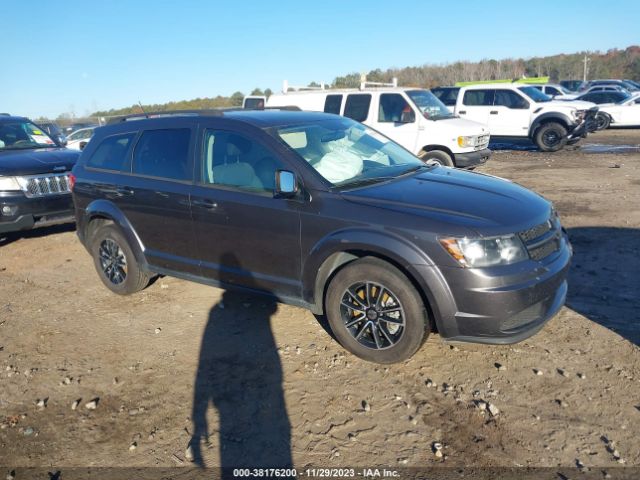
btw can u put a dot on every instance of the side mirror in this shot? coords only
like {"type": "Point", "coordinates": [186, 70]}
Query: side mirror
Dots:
{"type": "Point", "coordinates": [286, 184]}
{"type": "Point", "coordinates": [408, 116]}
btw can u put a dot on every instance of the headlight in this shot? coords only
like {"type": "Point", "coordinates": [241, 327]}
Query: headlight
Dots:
{"type": "Point", "coordinates": [486, 252]}
{"type": "Point", "coordinates": [465, 142]}
{"type": "Point", "coordinates": [579, 114]}
{"type": "Point", "coordinates": [9, 184]}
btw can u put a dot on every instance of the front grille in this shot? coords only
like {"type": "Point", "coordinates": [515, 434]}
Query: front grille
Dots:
{"type": "Point", "coordinates": [43, 185]}
{"type": "Point", "coordinates": [542, 240]}
{"type": "Point", "coordinates": [482, 142]}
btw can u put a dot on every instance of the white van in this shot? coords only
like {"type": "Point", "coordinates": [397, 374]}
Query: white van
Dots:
{"type": "Point", "coordinates": [412, 117]}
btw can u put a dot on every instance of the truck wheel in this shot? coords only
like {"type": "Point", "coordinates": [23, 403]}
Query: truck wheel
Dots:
{"type": "Point", "coordinates": [551, 137]}
{"type": "Point", "coordinates": [115, 262]}
{"type": "Point", "coordinates": [602, 121]}
{"type": "Point", "coordinates": [439, 156]}
{"type": "Point", "coordinates": [375, 312]}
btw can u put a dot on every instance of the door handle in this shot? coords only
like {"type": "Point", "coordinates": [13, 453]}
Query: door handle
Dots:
{"type": "Point", "coordinates": [124, 191]}
{"type": "Point", "coordinates": [204, 204]}
{"type": "Point", "coordinates": [493, 112]}
{"type": "Point", "coordinates": [462, 112]}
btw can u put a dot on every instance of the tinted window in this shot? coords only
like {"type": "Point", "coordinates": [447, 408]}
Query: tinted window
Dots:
{"type": "Point", "coordinates": [478, 98]}
{"type": "Point", "coordinates": [392, 106]}
{"type": "Point", "coordinates": [332, 104]}
{"type": "Point", "coordinates": [552, 91]}
{"type": "Point", "coordinates": [357, 107]}
{"type": "Point", "coordinates": [509, 99]}
{"type": "Point", "coordinates": [254, 103]}
{"type": "Point", "coordinates": [637, 100]}
{"type": "Point", "coordinates": [163, 153]}
{"type": "Point", "coordinates": [111, 153]}
{"type": "Point", "coordinates": [448, 96]}
{"type": "Point", "coordinates": [235, 160]}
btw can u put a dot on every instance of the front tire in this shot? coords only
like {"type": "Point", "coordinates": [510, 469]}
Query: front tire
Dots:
{"type": "Point", "coordinates": [115, 262]}
{"type": "Point", "coordinates": [375, 312]}
{"type": "Point", "coordinates": [438, 156]}
{"type": "Point", "coordinates": [551, 137]}
{"type": "Point", "coordinates": [602, 121]}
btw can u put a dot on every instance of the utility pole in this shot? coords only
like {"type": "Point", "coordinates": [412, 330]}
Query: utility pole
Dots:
{"type": "Point", "coordinates": [586, 68]}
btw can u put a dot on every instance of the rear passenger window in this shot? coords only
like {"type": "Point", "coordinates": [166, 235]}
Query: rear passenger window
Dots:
{"type": "Point", "coordinates": [332, 104]}
{"type": "Point", "coordinates": [357, 107]}
{"type": "Point", "coordinates": [163, 153]}
{"type": "Point", "coordinates": [111, 153]}
{"type": "Point", "coordinates": [478, 98]}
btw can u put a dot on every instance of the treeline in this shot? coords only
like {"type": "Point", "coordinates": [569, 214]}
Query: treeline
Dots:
{"type": "Point", "coordinates": [614, 63]}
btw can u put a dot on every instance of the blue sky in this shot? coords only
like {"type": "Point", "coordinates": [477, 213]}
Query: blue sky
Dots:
{"type": "Point", "coordinates": [82, 56]}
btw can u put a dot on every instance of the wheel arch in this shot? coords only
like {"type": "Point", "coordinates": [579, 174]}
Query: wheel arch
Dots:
{"type": "Point", "coordinates": [545, 118]}
{"type": "Point", "coordinates": [431, 148]}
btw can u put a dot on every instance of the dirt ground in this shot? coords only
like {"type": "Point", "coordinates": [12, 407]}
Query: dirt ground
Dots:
{"type": "Point", "coordinates": [273, 387]}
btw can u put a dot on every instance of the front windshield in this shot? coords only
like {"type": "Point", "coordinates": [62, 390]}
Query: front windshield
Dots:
{"type": "Point", "coordinates": [18, 134]}
{"type": "Point", "coordinates": [347, 153]}
{"type": "Point", "coordinates": [430, 105]}
{"type": "Point", "coordinates": [534, 94]}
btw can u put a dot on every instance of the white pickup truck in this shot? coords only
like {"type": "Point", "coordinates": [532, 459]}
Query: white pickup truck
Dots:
{"type": "Point", "coordinates": [522, 111]}
{"type": "Point", "coordinates": [412, 117]}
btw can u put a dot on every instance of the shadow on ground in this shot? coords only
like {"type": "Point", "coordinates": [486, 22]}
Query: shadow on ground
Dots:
{"type": "Point", "coordinates": [240, 375]}
{"type": "Point", "coordinates": [604, 280]}
{"type": "Point", "coordinates": [7, 238]}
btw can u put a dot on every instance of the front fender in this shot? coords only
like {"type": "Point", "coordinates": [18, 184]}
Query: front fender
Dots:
{"type": "Point", "coordinates": [344, 246]}
{"type": "Point", "coordinates": [105, 209]}
{"type": "Point", "coordinates": [552, 117]}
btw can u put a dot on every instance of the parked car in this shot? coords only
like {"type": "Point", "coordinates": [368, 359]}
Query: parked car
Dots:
{"type": "Point", "coordinates": [447, 95]}
{"type": "Point", "coordinates": [623, 113]}
{"type": "Point", "coordinates": [572, 85]}
{"type": "Point", "coordinates": [79, 139]}
{"type": "Point", "coordinates": [523, 112]}
{"type": "Point", "coordinates": [605, 96]}
{"type": "Point", "coordinates": [323, 212]}
{"type": "Point", "coordinates": [54, 131]}
{"type": "Point", "coordinates": [412, 117]}
{"type": "Point", "coordinates": [34, 177]}
{"type": "Point", "coordinates": [620, 83]}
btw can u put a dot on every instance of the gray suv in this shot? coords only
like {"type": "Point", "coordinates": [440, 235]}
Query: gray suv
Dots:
{"type": "Point", "coordinates": [323, 212]}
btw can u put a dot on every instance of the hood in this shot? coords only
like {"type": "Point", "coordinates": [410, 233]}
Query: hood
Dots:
{"type": "Point", "coordinates": [33, 162]}
{"type": "Point", "coordinates": [579, 104]}
{"type": "Point", "coordinates": [486, 204]}
{"type": "Point", "coordinates": [459, 126]}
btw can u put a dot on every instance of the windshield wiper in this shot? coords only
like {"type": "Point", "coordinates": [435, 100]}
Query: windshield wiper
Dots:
{"type": "Point", "coordinates": [371, 180]}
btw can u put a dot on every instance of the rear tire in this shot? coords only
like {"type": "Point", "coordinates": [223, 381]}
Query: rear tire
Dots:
{"type": "Point", "coordinates": [115, 262]}
{"type": "Point", "coordinates": [551, 137]}
{"type": "Point", "coordinates": [439, 156]}
{"type": "Point", "coordinates": [375, 312]}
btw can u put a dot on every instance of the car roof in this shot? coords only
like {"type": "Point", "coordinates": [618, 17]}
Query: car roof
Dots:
{"type": "Point", "coordinates": [13, 118]}
{"type": "Point", "coordinates": [481, 86]}
{"type": "Point", "coordinates": [258, 118]}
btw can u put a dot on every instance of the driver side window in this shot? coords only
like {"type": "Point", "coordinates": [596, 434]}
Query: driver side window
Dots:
{"type": "Point", "coordinates": [510, 99]}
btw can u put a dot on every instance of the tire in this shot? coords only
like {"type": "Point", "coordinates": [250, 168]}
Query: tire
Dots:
{"type": "Point", "coordinates": [602, 121]}
{"type": "Point", "coordinates": [439, 156]}
{"type": "Point", "coordinates": [115, 262]}
{"type": "Point", "coordinates": [398, 339]}
{"type": "Point", "coordinates": [551, 137]}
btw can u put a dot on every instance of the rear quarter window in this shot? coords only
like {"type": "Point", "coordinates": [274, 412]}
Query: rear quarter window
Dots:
{"type": "Point", "coordinates": [111, 153]}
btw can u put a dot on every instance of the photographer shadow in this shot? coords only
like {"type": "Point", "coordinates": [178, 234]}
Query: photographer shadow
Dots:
{"type": "Point", "coordinates": [240, 375]}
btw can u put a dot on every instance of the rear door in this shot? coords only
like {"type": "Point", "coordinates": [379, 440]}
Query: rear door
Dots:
{"type": "Point", "coordinates": [476, 105]}
{"type": "Point", "coordinates": [155, 197]}
{"type": "Point", "coordinates": [510, 114]}
{"type": "Point", "coordinates": [245, 235]}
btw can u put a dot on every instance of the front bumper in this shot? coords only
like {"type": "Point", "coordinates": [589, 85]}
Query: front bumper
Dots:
{"type": "Point", "coordinates": [27, 213]}
{"type": "Point", "coordinates": [471, 159]}
{"type": "Point", "coordinates": [587, 125]}
{"type": "Point", "coordinates": [506, 304]}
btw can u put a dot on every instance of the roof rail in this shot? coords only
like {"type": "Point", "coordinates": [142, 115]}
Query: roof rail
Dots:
{"type": "Point", "coordinates": [286, 87]}
{"type": "Point", "coordinates": [166, 113]}
{"type": "Point", "coordinates": [364, 83]}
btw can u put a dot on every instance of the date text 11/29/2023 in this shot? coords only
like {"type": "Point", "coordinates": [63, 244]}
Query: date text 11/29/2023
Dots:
{"type": "Point", "coordinates": [315, 473]}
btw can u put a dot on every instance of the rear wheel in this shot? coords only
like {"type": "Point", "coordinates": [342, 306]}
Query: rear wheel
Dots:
{"type": "Point", "coordinates": [375, 312]}
{"type": "Point", "coordinates": [437, 156]}
{"type": "Point", "coordinates": [551, 137]}
{"type": "Point", "coordinates": [115, 262]}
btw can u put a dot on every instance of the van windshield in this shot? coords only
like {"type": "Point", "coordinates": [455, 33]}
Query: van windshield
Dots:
{"type": "Point", "coordinates": [347, 153]}
{"type": "Point", "coordinates": [430, 106]}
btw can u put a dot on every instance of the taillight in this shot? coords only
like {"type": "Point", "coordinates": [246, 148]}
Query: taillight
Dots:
{"type": "Point", "coordinates": [72, 181]}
